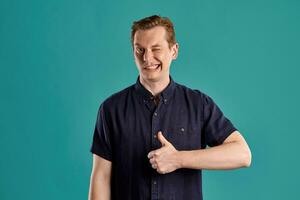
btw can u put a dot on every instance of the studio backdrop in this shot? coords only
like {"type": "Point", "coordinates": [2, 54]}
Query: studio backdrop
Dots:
{"type": "Point", "coordinates": [60, 59]}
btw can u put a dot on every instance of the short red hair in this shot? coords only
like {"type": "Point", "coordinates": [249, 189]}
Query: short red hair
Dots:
{"type": "Point", "coordinates": [153, 21]}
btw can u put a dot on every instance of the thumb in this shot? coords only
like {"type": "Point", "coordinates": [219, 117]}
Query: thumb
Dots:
{"type": "Point", "coordinates": [162, 139]}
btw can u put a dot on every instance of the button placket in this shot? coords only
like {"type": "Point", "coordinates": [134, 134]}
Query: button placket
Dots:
{"type": "Point", "coordinates": [154, 189]}
{"type": "Point", "coordinates": [155, 128]}
{"type": "Point", "coordinates": [155, 145]}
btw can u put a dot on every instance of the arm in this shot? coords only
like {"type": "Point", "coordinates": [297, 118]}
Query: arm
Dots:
{"type": "Point", "coordinates": [100, 179]}
{"type": "Point", "coordinates": [233, 153]}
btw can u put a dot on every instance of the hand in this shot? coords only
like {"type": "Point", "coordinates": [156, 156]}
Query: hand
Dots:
{"type": "Point", "coordinates": [165, 159]}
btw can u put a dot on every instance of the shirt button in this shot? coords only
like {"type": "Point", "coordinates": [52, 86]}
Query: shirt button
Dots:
{"type": "Point", "coordinates": [165, 100]}
{"type": "Point", "coordinates": [154, 136]}
{"type": "Point", "coordinates": [155, 114]}
{"type": "Point", "coordinates": [182, 129]}
{"type": "Point", "coordinates": [154, 182]}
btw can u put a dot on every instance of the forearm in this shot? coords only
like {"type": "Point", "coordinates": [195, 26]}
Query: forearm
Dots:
{"type": "Point", "coordinates": [226, 156]}
{"type": "Point", "coordinates": [100, 189]}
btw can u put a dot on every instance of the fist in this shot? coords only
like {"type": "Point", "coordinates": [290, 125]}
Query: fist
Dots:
{"type": "Point", "coordinates": [164, 159]}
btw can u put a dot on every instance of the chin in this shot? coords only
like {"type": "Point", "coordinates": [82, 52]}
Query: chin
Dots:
{"type": "Point", "coordinates": [152, 78]}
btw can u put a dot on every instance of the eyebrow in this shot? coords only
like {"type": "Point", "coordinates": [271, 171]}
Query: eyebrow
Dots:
{"type": "Point", "coordinates": [155, 45]}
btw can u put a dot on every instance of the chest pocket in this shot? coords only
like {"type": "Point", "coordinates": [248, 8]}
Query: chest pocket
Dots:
{"type": "Point", "coordinates": [185, 137]}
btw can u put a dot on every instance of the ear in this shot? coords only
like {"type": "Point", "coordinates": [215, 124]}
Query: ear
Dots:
{"type": "Point", "coordinates": [175, 49]}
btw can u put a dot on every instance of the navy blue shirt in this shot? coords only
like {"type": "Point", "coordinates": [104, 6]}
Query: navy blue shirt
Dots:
{"type": "Point", "coordinates": [126, 129]}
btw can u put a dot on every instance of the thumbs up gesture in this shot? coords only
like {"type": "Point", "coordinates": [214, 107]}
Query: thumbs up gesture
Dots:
{"type": "Point", "coordinates": [164, 159]}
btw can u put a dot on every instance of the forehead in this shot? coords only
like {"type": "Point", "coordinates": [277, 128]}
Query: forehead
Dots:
{"type": "Point", "coordinates": [150, 37]}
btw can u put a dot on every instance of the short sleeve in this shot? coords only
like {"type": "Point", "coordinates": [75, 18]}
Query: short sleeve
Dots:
{"type": "Point", "coordinates": [216, 126]}
{"type": "Point", "coordinates": [101, 144]}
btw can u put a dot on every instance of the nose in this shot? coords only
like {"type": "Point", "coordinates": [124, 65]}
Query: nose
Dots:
{"type": "Point", "coordinates": [147, 57]}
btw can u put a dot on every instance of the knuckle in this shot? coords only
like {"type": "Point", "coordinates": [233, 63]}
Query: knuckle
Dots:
{"type": "Point", "coordinates": [161, 170]}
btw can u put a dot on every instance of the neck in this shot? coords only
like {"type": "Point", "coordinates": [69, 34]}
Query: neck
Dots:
{"type": "Point", "coordinates": [155, 87]}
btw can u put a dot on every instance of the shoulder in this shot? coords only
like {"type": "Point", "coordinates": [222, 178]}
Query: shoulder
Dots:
{"type": "Point", "coordinates": [117, 98]}
{"type": "Point", "coordinates": [194, 94]}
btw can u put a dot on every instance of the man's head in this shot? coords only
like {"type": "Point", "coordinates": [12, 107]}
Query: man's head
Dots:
{"type": "Point", "coordinates": [151, 22]}
{"type": "Point", "coordinates": [154, 45]}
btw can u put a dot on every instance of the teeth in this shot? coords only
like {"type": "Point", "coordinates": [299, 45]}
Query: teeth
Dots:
{"type": "Point", "coordinates": [152, 67]}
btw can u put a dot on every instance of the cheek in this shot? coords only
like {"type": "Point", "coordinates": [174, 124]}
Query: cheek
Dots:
{"type": "Point", "coordinates": [137, 59]}
{"type": "Point", "coordinates": [160, 57]}
{"type": "Point", "coordinates": [164, 56]}
{"type": "Point", "coordinates": [166, 59]}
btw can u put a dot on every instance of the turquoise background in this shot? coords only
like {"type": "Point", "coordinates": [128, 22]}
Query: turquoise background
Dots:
{"type": "Point", "coordinates": [60, 59]}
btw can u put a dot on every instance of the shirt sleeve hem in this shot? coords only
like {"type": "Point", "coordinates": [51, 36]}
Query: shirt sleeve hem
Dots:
{"type": "Point", "coordinates": [101, 154]}
{"type": "Point", "coordinates": [228, 131]}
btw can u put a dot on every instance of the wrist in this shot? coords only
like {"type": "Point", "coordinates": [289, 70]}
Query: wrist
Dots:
{"type": "Point", "coordinates": [179, 159]}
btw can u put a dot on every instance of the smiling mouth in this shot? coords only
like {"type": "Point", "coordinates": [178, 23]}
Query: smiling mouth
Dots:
{"type": "Point", "coordinates": [152, 67]}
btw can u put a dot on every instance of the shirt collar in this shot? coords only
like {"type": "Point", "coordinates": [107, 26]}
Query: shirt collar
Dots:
{"type": "Point", "coordinates": [166, 94]}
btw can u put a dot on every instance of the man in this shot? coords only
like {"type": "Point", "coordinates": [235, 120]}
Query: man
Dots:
{"type": "Point", "coordinates": [150, 138]}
